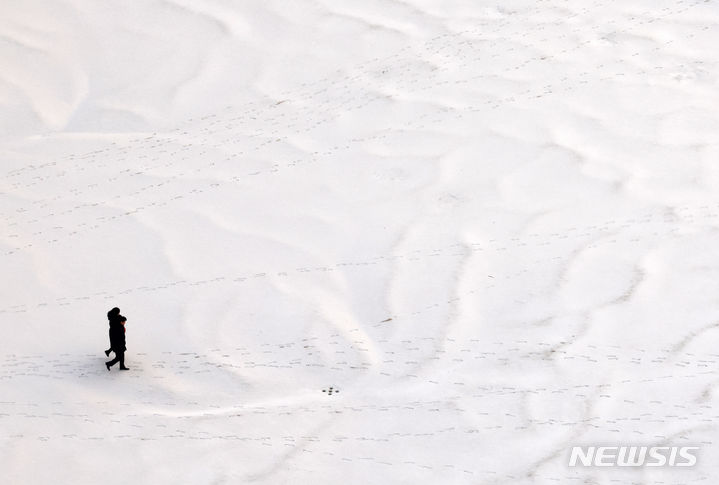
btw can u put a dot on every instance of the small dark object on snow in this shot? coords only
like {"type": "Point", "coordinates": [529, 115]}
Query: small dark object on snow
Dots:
{"type": "Point", "coordinates": [117, 339]}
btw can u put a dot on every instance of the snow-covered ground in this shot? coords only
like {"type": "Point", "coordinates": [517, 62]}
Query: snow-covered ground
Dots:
{"type": "Point", "coordinates": [492, 226]}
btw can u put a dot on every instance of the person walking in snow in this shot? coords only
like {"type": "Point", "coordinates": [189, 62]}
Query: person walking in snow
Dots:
{"type": "Point", "coordinates": [117, 342]}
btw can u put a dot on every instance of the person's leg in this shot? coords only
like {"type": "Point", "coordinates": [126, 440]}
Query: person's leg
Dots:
{"type": "Point", "coordinates": [121, 356]}
{"type": "Point", "coordinates": [107, 352]}
{"type": "Point", "coordinates": [113, 361]}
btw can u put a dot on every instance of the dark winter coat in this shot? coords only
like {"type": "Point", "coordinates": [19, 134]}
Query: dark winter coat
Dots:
{"type": "Point", "coordinates": [114, 315]}
{"type": "Point", "coordinates": [117, 337]}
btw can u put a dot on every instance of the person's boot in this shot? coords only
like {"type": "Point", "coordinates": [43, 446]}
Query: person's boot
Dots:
{"type": "Point", "coordinates": [124, 368]}
{"type": "Point", "coordinates": [107, 353]}
{"type": "Point", "coordinates": [107, 364]}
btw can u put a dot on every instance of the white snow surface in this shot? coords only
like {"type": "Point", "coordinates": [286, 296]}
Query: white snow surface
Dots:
{"type": "Point", "coordinates": [492, 226]}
